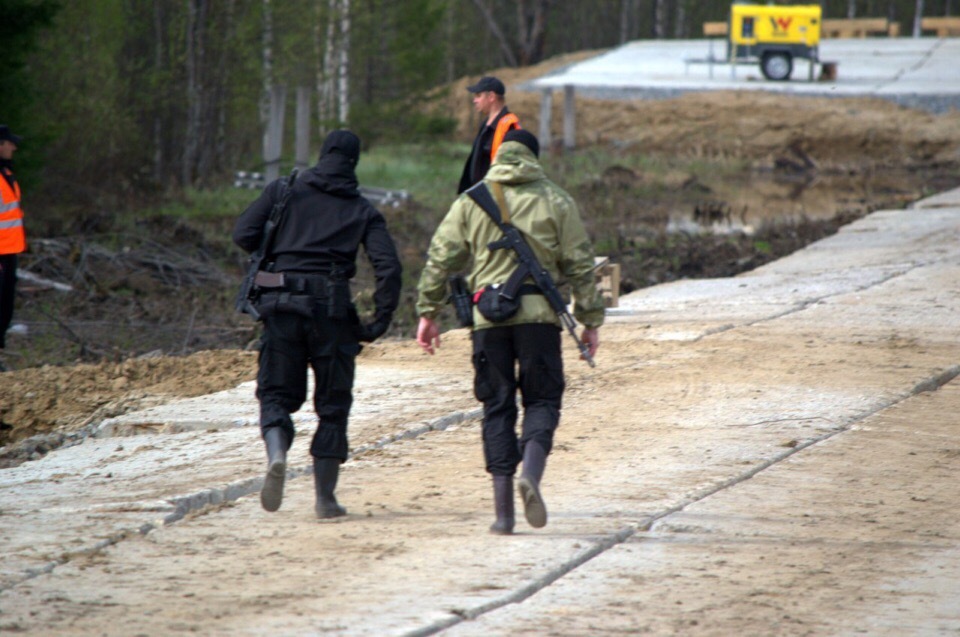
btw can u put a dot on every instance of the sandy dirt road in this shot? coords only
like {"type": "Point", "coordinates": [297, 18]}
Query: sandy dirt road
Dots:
{"type": "Point", "coordinates": [770, 454]}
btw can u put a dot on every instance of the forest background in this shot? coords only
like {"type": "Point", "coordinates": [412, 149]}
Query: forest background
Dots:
{"type": "Point", "coordinates": [132, 98]}
{"type": "Point", "coordinates": [137, 113]}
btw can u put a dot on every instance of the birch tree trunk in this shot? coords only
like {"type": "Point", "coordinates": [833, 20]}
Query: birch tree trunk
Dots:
{"type": "Point", "coordinates": [680, 19]}
{"type": "Point", "coordinates": [634, 24]}
{"type": "Point", "coordinates": [158, 66]}
{"type": "Point", "coordinates": [624, 21]}
{"type": "Point", "coordinates": [218, 147]}
{"type": "Point", "coordinates": [659, 19]}
{"type": "Point", "coordinates": [916, 19]}
{"type": "Point", "coordinates": [266, 60]}
{"type": "Point", "coordinates": [343, 66]}
{"type": "Point", "coordinates": [325, 66]}
{"type": "Point", "coordinates": [196, 24]}
{"type": "Point", "coordinates": [851, 9]}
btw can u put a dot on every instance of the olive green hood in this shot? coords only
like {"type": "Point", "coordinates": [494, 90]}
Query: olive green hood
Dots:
{"type": "Point", "coordinates": [514, 164]}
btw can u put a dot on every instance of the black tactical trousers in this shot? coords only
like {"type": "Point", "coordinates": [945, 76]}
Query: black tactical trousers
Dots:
{"type": "Point", "coordinates": [8, 286]}
{"type": "Point", "coordinates": [290, 344]}
{"type": "Point", "coordinates": [497, 353]}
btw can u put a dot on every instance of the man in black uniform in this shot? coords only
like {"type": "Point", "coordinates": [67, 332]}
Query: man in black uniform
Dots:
{"type": "Point", "coordinates": [488, 100]}
{"type": "Point", "coordinates": [311, 319]}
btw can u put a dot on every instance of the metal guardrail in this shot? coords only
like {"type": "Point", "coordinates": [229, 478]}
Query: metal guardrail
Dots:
{"type": "Point", "coordinates": [379, 196]}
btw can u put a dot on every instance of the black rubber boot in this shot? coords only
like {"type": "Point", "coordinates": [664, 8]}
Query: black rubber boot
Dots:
{"type": "Point", "coordinates": [503, 505]}
{"type": "Point", "coordinates": [534, 462]}
{"type": "Point", "coordinates": [271, 495]}
{"type": "Point", "coordinates": [325, 473]}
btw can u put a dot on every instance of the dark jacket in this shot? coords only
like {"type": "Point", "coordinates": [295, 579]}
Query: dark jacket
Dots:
{"type": "Point", "coordinates": [323, 226]}
{"type": "Point", "coordinates": [478, 163]}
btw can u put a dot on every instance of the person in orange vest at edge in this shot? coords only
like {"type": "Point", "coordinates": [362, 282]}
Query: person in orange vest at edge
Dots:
{"type": "Point", "coordinates": [13, 240]}
{"type": "Point", "coordinates": [488, 100]}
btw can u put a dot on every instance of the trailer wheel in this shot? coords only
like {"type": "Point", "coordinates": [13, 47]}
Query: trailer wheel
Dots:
{"type": "Point", "coordinates": [776, 66]}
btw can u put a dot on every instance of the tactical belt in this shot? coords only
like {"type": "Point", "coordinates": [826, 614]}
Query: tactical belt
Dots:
{"type": "Point", "coordinates": [300, 283]}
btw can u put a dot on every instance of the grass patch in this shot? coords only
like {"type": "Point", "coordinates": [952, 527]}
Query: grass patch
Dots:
{"type": "Point", "coordinates": [217, 203]}
{"type": "Point", "coordinates": [429, 172]}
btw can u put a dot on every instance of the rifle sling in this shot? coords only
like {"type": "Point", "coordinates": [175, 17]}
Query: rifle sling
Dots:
{"type": "Point", "coordinates": [482, 196]}
{"type": "Point", "coordinates": [276, 214]}
{"type": "Point", "coordinates": [501, 202]}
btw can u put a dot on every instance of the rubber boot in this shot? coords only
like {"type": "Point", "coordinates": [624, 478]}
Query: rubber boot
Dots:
{"type": "Point", "coordinates": [325, 473]}
{"type": "Point", "coordinates": [503, 505]}
{"type": "Point", "coordinates": [271, 495]}
{"type": "Point", "coordinates": [534, 462]}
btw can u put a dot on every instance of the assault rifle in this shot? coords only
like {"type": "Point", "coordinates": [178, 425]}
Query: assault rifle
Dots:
{"type": "Point", "coordinates": [249, 288]}
{"type": "Point", "coordinates": [529, 266]}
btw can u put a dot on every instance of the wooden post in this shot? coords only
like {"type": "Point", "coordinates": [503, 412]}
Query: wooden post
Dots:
{"type": "Point", "coordinates": [302, 145]}
{"type": "Point", "coordinates": [546, 112]}
{"type": "Point", "coordinates": [273, 145]}
{"type": "Point", "coordinates": [569, 119]}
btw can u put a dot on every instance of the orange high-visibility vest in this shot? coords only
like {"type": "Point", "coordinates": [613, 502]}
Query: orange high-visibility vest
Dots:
{"type": "Point", "coordinates": [12, 238]}
{"type": "Point", "coordinates": [505, 123]}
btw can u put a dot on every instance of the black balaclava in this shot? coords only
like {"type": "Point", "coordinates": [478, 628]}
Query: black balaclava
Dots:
{"type": "Point", "coordinates": [342, 142]}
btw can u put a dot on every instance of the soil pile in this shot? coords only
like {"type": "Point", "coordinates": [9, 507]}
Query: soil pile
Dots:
{"type": "Point", "coordinates": [58, 400]}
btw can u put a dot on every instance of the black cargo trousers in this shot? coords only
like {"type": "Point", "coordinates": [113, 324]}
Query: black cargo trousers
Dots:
{"type": "Point", "coordinates": [290, 344]}
{"type": "Point", "coordinates": [497, 353]}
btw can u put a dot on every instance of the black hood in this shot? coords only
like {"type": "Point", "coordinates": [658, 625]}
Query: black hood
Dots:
{"type": "Point", "coordinates": [333, 174]}
{"type": "Point", "coordinates": [342, 142]}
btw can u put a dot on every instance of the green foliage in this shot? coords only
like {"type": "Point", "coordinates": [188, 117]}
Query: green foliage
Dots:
{"type": "Point", "coordinates": [210, 204]}
{"type": "Point", "coordinates": [763, 247]}
{"type": "Point", "coordinates": [408, 124]}
{"type": "Point", "coordinates": [141, 99]}
{"type": "Point", "coordinates": [21, 24]}
{"type": "Point", "coordinates": [429, 172]}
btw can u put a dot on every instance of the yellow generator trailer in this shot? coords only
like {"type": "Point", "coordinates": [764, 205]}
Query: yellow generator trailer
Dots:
{"type": "Point", "coordinates": [774, 35]}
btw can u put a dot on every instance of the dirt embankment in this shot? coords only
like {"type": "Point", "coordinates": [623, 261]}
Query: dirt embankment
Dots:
{"type": "Point", "coordinates": [839, 133]}
{"type": "Point", "coordinates": [58, 400]}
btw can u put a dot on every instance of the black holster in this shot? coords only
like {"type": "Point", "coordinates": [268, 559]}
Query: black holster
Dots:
{"type": "Point", "coordinates": [462, 300]}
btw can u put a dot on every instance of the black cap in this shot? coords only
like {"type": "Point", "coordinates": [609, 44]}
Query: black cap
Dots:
{"type": "Point", "coordinates": [342, 142]}
{"type": "Point", "coordinates": [526, 138]}
{"type": "Point", "coordinates": [7, 136]}
{"type": "Point", "coordinates": [488, 83]}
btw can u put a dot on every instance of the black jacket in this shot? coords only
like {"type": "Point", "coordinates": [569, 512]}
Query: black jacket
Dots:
{"type": "Point", "coordinates": [478, 163]}
{"type": "Point", "coordinates": [323, 226]}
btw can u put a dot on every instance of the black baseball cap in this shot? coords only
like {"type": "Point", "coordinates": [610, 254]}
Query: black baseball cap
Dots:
{"type": "Point", "coordinates": [7, 136]}
{"type": "Point", "coordinates": [488, 83]}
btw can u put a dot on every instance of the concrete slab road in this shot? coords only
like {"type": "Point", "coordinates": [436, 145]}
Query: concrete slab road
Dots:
{"type": "Point", "coordinates": [774, 453]}
{"type": "Point", "coordinates": [919, 72]}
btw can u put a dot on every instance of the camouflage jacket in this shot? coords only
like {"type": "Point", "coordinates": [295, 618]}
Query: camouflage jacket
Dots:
{"type": "Point", "coordinates": [550, 222]}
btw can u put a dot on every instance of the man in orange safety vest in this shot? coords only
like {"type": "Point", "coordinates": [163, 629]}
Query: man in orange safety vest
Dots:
{"type": "Point", "coordinates": [488, 99]}
{"type": "Point", "coordinates": [12, 237]}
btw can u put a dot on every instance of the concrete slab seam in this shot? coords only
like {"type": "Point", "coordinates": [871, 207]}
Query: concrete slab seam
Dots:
{"type": "Point", "coordinates": [601, 546]}
{"type": "Point", "coordinates": [184, 505]}
{"type": "Point", "coordinates": [808, 303]}
{"type": "Point", "coordinates": [612, 540]}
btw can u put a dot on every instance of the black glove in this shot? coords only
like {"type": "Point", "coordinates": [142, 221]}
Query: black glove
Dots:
{"type": "Point", "coordinates": [372, 331]}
